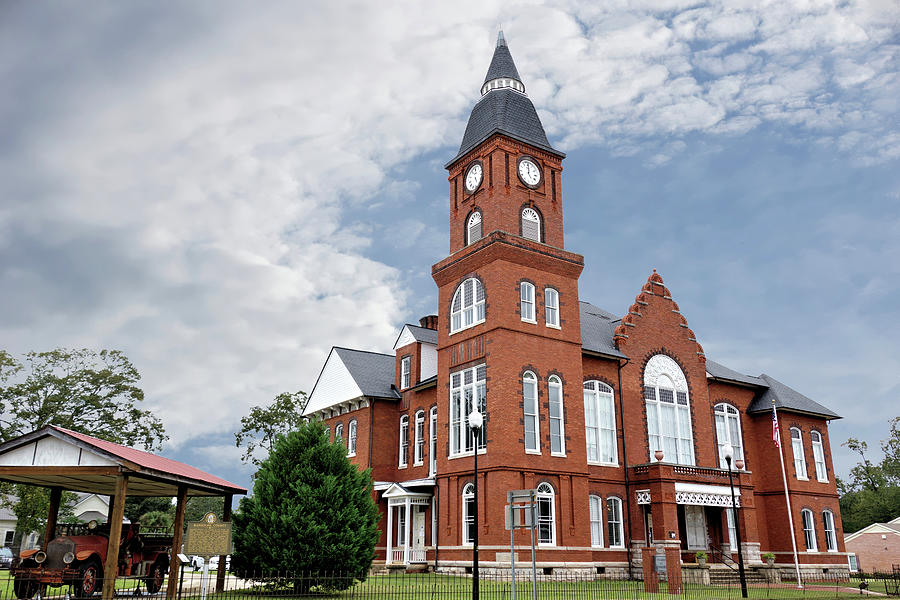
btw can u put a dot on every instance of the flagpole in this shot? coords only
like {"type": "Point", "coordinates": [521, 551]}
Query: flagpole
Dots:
{"type": "Point", "coordinates": [787, 499]}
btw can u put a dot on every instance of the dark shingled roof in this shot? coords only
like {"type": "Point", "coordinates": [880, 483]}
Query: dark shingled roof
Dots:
{"type": "Point", "coordinates": [597, 327]}
{"type": "Point", "coordinates": [372, 372]}
{"type": "Point", "coordinates": [719, 371]}
{"type": "Point", "coordinates": [788, 399]}
{"type": "Point", "coordinates": [423, 334]}
{"type": "Point", "coordinates": [502, 64]}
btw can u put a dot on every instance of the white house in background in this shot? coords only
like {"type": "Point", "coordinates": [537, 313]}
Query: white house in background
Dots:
{"type": "Point", "coordinates": [91, 507]}
{"type": "Point", "coordinates": [8, 530]}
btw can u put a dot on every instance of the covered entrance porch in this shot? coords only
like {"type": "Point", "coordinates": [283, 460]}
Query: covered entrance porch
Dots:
{"type": "Point", "coordinates": [406, 524]}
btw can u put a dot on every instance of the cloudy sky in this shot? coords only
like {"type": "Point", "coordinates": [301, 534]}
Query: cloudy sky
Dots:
{"type": "Point", "coordinates": [224, 190]}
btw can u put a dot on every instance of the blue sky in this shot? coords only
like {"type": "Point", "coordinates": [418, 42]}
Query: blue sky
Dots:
{"type": "Point", "coordinates": [225, 190]}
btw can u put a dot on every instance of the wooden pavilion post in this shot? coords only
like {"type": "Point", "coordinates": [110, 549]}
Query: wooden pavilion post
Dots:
{"type": "Point", "coordinates": [177, 538]}
{"type": "Point", "coordinates": [220, 573]}
{"type": "Point", "coordinates": [52, 515]}
{"type": "Point", "coordinates": [110, 570]}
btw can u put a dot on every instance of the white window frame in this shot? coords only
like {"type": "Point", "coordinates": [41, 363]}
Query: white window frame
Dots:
{"type": "Point", "coordinates": [809, 530]}
{"type": "Point", "coordinates": [463, 315]}
{"type": "Point", "coordinates": [432, 444]}
{"type": "Point", "coordinates": [663, 378]}
{"type": "Point", "coordinates": [463, 397]}
{"type": "Point", "coordinates": [529, 214]}
{"type": "Point", "coordinates": [339, 434]}
{"type": "Point", "coordinates": [419, 450]}
{"type": "Point", "coordinates": [819, 456]}
{"type": "Point", "coordinates": [405, 372]}
{"type": "Point", "coordinates": [557, 416]}
{"type": "Point", "coordinates": [597, 395]}
{"type": "Point", "coordinates": [351, 438]}
{"type": "Point", "coordinates": [532, 418]}
{"type": "Point", "coordinates": [474, 219]}
{"type": "Point", "coordinates": [595, 511]}
{"type": "Point", "coordinates": [615, 522]}
{"type": "Point", "coordinates": [727, 417]}
{"type": "Point", "coordinates": [799, 455]}
{"type": "Point", "coordinates": [468, 517]}
{"type": "Point", "coordinates": [830, 532]}
{"type": "Point", "coordinates": [527, 302]}
{"type": "Point", "coordinates": [402, 461]}
{"type": "Point", "coordinates": [551, 307]}
{"type": "Point", "coordinates": [546, 496]}
{"type": "Point", "coordinates": [732, 529]}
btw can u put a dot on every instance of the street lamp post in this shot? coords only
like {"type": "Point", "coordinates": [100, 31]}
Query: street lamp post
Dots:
{"type": "Point", "coordinates": [728, 451]}
{"type": "Point", "coordinates": [476, 420]}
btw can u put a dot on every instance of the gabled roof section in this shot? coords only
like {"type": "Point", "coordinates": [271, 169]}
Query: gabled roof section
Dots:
{"type": "Point", "coordinates": [350, 374]}
{"type": "Point", "coordinates": [597, 327]}
{"type": "Point", "coordinates": [719, 371]}
{"type": "Point", "coordinates": [414, 333]}
{"type": "Point", "coordinates": [788, 399]}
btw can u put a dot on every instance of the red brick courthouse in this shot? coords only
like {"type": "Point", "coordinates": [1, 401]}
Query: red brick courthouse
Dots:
{"type": "Point", "coordinates": [617, 419]}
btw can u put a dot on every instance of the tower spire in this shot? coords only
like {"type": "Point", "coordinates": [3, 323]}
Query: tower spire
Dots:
{"type": "Point", "coordinates": [502, 73]}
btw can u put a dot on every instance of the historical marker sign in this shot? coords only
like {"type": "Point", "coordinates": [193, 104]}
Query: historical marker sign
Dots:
{"type": "Point", "coordinates": [209, 537]}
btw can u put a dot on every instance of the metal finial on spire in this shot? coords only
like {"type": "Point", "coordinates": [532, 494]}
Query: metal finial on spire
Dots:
{"type": "Point", "coordinates": [501, 41]}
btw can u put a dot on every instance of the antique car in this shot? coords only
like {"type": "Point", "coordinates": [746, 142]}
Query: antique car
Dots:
{"type": "Point", "coordinates": [76, 557]}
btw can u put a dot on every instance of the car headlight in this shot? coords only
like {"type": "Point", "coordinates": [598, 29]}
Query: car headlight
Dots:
{"type": "Point", "coordinates": [68, 557]}
{"type": "Point", "coordinates": [40, 557]}
{"type": "Point", "coordinates": [92, 524]}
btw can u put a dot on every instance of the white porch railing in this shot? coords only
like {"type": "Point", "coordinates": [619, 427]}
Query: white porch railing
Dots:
{"type": "Point", "coordinates": [416, 556]}
{"type": "Point", "coordinates": [397, 556]}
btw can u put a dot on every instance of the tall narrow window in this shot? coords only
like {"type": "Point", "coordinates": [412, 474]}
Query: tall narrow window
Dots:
{"type": "Point", "coordinates": [526, 306]}
{"type": "Point", "coordinates": [546, 517]}
{"type": "Point", "coordinates": [530, 396]}
{"type": "Point", "coordinates": [728, 431]}
{"type": "Point", "coordinates": [468, 524]}
{"type": "Point", "coordinates": [732, 529]}
{"type": "Point", "coordinates": [818, 455]}
{"type": "Point", "coordinates": [405, 372]}
{"type": "Point", "coordinates": [467, 390]}
{"type": "Point", "coordinates": [557, 419]}
{"type": "Point", "coordinates": [531, 224]}
{"type": "Point", "coordinates": [614, 522]}
{"type": "Point", "coordinates": [551, 307]}
{"type": "Point", "coordinates": [404, 440]}
{"type": "Point", "coordinates": [467, 308]}
{"type": "Point", "coordinates": [809, 530]}
{"type": "Point", "coordinates": [596, 521]}
{"type": "Point", "coordinates": [339, 433]}
{"type": "Point", "coordinates": [473, 227]}
{"type": "Point", "coordinates": [432, 446]}
{"type": "Point", "coordinates": [799, 457]}
{"type": "Point", "coordinates": [351, 439]}
{"type": "Point", "coordinates": [401, 526]}
{"type": "Point", "coordinates": [668, 411]}
{"type": "Point", "coordinates": [830, 537]}
{"type": "Point", "coordinates": [419, 456]}
{"type": "Point", "coordinates": [600, 423]}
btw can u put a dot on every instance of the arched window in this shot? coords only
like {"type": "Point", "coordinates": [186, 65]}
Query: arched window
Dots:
{"type": "Point", "coordinates": [351, 438]}
{"type": "Point", "coordinates": [830, 537]}
{"type": "Point", "coordinates": [473, 227]}
{"type": "Point", "coordinates": [339, 433]}
{"type": "Point", "coordinates": [614, 522]}
{"type": "Point", "coordinates": [799, 456]}
{"type": "Point", "coordinates": [531, 224]}
{"type": "Point", "coordinates": [404, 440]}
{"type": "Point", "coordinates": [557, 419]}
{"type": "Point", "coordinates": [551, 307]}
{"type": "Point", "coordinates": [728, 431]}
{"type": "Point", "coordinates": [668, 411]}
{"type": "Point", "coordinates": [546, 509]}
{"type": "Point", "coordinates": [467, 308]}
{"type": "Point", "coordinates": [419, 456]}
{"type": "Point", "coordinates": [468, 514]}
{"type": "Point", "coordinates": [599, 423]}
{"type": "Point", "coordinates": [530, 397]}
{"type": "Point", "coordinates": [809, 530]}
{"type": "Point", "coordinates": [595, 503]}
{"type": "Point", "coordinates": [432, 446]}
{"type": "Point", "coordinates": [526, 306]}
{"type": "Point", "coordinates": [818, 455]}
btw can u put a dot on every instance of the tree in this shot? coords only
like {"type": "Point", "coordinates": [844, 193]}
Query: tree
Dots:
{"type": "Point", "coordinates": [872, 494]}
{"type": "Point", "coordinates": [263, 425]}
{"type": "Point", "coordinates": [197, 507]}
{"type": "Point", "coordinates": [311, 511]}
{"type": "Point", "coordinates": [138, 506]}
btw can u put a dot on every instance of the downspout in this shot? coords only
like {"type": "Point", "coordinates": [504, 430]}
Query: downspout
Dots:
{"type": "Point", "coordinates": [625, 466]}
{"type": "Point", "coordinates": [371, 430]}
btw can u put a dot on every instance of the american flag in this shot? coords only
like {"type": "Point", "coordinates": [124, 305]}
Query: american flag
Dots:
{"type": "Point", "coordinates": [776, 436]}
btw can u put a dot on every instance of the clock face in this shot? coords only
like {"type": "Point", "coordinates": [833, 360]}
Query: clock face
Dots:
{"type": "Point", "coordinates": [473, 177]}
{"type": "Point", "coordinates": [529, 172]}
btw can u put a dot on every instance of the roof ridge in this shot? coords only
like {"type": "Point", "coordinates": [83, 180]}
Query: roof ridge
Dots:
{"type": "Point", "coordinates": [365, 351]}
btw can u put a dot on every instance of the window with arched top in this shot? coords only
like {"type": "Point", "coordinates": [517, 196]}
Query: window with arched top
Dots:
{"type": "Point", "coordinates": [818, 455]}
{"type": "Point", "coordinates": [531, 224]}
{"type": "Point", "coordinates": [419, 455]}
{"type": "Point", "coordinates": [474, 227]}
{"type": "Point", "coordinates": [557, 419]}
{"type": "Point", "coordinates": [830, 536]}
{"type": "Point", "coordinates": [594, 505]}
{"type": "Point", "coordinates": [809, 530]}
{"type": "Point", "coordinates": [339, 433]}
{"type": "Point", "coordinates": [404, 441]}
{"type": "Point", "coordinates": [668, 411]}
{"type": "Point", "coordinates": [351, 438]}
{"type": "Point", "coordinates": [546, 517]}
{"type": "Point", "coordinates": [530, 403]}
{"type": "Point", "coordinates": [467, 307]}
{"type": "Point", "coordinates": [468, 514]}
{"type": "Point", "coordinates": [799, 455]}
{"type": "Point", "coordinates": [600, 423]}
{"type": "Point", "coordinates": [615, 536]}
{"type": "Point", "coordinates": [728, 431]}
